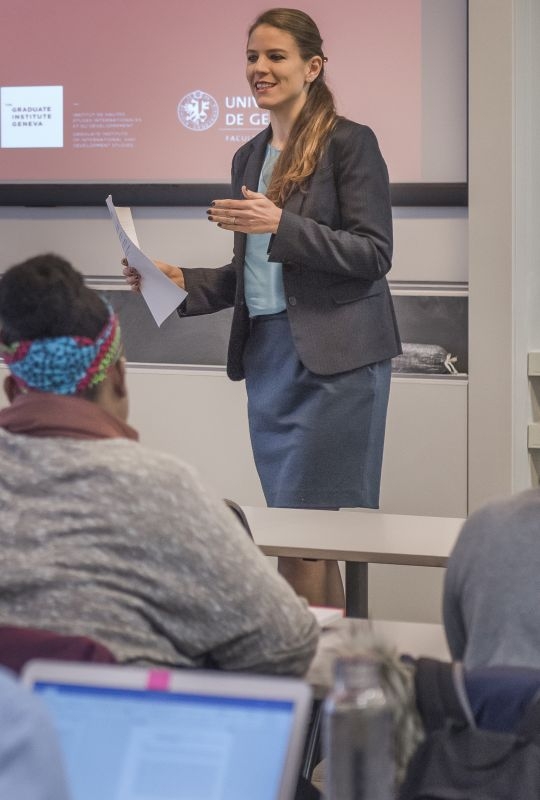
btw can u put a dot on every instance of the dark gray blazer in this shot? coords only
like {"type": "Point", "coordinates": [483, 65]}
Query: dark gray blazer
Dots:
{"type": "Point", "coordinates": [335, 242]}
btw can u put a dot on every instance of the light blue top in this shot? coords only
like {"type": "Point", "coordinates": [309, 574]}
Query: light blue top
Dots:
{"type": "Point", "coordinates": [263, 279]}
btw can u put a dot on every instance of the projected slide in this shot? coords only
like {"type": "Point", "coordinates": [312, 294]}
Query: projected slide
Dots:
{"type": "Point", "coordinates": [154, 90]}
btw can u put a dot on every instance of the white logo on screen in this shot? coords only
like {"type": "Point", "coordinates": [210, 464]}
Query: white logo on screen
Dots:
{"type": "Point", "coordinates": [31, 116]}
{"type": "Point", "coordinates": [198, 111]}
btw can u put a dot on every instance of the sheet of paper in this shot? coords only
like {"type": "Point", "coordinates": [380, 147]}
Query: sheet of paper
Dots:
{"type": "Point", "coordinates": [162, 296]}
{"type": "Point", "coordinates": [325, 615]}
{"type": "Point", "coordinates": [125, 218]}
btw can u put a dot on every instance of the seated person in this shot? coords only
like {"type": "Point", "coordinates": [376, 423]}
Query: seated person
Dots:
{"type": "Point", "coordinates": [30, 761]}
{"type": "Point", "coordinates": [490, 603]}
{"type": "Point", "coordinates": [102, 537]}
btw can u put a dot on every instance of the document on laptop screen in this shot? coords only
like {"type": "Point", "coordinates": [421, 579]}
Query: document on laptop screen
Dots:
{"type": "Point", "coordinates": [123, 744]}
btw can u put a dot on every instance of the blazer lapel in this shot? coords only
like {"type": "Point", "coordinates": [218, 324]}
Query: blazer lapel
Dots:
{"type": "Point", "coordinates": [252, 170]}
{"type": "Point", "coordinates": [248, 176]}
{"type": "Point", "coordinates": [255, 160]}
{"type": "Point", "coordinates": [295, 202]}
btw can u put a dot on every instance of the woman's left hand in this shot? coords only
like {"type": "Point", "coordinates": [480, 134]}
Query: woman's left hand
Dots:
{"type": "Point", "coordinates": [255, 214]}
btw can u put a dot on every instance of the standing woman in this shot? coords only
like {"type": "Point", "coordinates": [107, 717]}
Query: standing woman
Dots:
{"type": "Point", "coordinates": [314, 328]}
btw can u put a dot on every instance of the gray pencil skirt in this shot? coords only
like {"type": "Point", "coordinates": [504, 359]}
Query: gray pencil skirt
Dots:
{"type": "Point", "coordinates": [317, 439]}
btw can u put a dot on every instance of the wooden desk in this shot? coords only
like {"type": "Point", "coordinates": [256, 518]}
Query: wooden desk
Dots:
{"type": "Point", "coordinates": [358, 538]}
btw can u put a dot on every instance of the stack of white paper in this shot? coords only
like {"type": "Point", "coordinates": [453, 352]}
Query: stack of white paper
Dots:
{"type": "Point", "coordinates": [162, 296]}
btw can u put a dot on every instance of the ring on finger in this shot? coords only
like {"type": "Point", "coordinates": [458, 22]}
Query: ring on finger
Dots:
{"type": "Point", "coordinates": [233, 221]}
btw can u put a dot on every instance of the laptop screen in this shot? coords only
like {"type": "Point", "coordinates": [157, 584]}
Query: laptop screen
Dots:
{"type": "Point", "coordinates": [140, 744]}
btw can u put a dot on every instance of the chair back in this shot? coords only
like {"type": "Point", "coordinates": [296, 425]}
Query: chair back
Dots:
{"type": "Point", "coordinates": [482, 734]}
{"type": "Point", "coordinates": [239, 514]}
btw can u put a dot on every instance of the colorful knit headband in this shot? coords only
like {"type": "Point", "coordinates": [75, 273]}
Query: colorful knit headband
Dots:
{"type": "Point", "coordinates": [64, 364]}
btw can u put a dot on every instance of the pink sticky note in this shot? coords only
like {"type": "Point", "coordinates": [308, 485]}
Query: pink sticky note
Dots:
{"type": "Point", "coordinates": [158, 680]}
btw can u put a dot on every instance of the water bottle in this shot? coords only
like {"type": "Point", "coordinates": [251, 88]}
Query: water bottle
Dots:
{"type": "Point", "coordinates": [358, 734]}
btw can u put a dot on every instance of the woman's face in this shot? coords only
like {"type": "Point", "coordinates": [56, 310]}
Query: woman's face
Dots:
{"type": "Point", "coordinates": [278, 76]}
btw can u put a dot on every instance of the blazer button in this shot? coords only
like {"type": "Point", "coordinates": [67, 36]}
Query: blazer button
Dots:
{"type": "Point", "coordinates": [292, 301]}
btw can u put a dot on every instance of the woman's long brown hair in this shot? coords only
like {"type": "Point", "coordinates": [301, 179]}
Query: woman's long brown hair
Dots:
{"type": "Point", "coordinates": [317, 118]}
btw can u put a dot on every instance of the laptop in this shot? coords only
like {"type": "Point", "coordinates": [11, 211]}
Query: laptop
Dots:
{"type": "Point", "coordinates": [132, 733]}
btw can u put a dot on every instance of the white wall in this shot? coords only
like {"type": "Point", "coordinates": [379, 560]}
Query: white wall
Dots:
{"type": "Point", "coordinates": [430, 244]}
{"type": "Point", "coordinates": [527, 230]}
{"type": "Point", "coordinates": [504, 241]}
{"type": "Point", "coordinates": [490, 249]}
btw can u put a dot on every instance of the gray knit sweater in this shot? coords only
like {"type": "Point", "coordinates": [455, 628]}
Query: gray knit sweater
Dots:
{"type": "Point", "coordinates": [108, 539]}
{"type": "Point", "coordinates": [491, 599]}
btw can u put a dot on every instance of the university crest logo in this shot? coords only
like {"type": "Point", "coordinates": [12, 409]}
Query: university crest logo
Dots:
{"type": "Point", "coordinates": [198, 111]}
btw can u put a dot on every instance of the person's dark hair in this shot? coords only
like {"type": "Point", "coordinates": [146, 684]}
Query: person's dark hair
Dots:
{"type": "Point", "coordinates": [46, 297]}
{"type": "Point", "coordinates": [318, 115]}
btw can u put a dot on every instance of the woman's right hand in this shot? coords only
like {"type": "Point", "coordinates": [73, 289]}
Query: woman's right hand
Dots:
{"type": "Point", "coordinates": [133, 278]}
